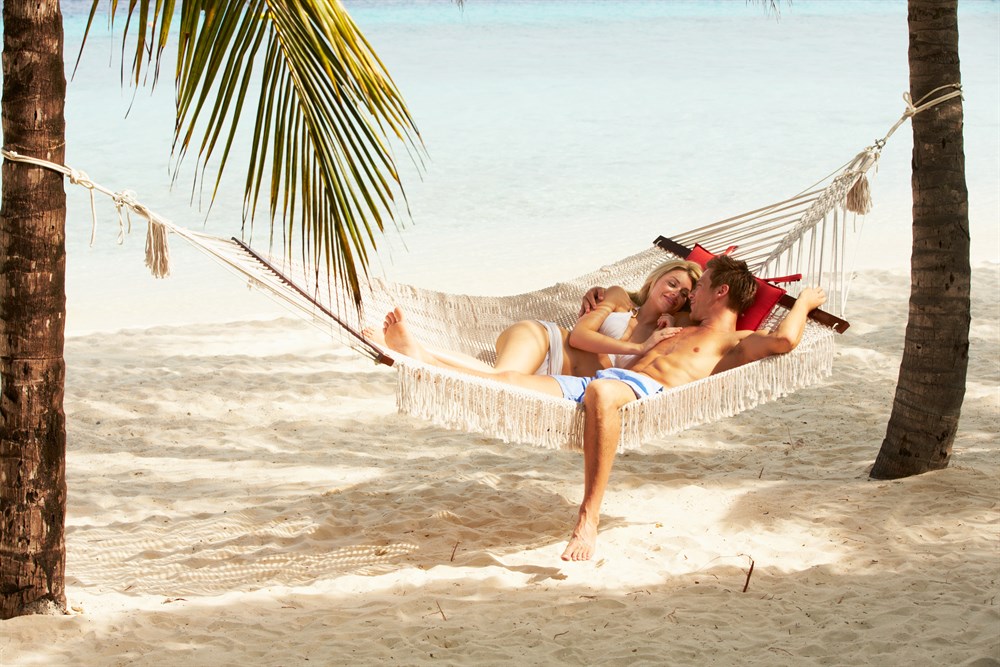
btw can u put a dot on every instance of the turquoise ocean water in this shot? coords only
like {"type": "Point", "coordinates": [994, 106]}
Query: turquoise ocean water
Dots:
{"type": "Point", "coordinates": [561, 135]}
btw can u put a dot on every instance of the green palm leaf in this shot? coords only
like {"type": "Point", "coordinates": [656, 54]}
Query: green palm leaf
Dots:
{"type": "Point", "coordinates": [326, 112]}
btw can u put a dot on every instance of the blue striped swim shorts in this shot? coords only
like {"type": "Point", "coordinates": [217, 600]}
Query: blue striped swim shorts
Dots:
{"type": "Point", "coordinates": [573, 388]}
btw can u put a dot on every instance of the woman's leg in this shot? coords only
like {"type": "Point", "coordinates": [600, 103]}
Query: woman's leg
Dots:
{"type": "Point", "coordinates": [523, 346]}
{"type": "Point", "coordinates": [399, 338]}
{"type": "Point", "coordinates": [457, 360]}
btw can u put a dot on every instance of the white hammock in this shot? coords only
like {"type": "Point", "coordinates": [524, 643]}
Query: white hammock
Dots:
{"type": "Point", "coordinates": [810, 226]}
{"type": "Point", "coordinates": [470, 324]}
{"type": "Point", "coordinates": [811, 233]}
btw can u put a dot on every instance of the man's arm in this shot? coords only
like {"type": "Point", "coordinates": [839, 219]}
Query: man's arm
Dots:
{"type": "Point", "coordinates": [591, 299]}
{"type": "Point", "coordinates": [781, 340]}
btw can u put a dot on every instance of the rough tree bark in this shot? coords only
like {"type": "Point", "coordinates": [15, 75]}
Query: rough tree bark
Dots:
{"type": "Point", "coordinates": [931, 385]}
{"type": "Point", "coordinates": [32, 313]}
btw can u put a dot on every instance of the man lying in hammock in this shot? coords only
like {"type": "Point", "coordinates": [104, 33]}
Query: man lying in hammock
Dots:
{"type": "Point", "coordinates": [712, 345]}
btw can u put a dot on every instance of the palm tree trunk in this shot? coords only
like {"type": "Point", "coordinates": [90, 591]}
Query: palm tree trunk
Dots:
{"type": "Point", "coordinates": [32, 313]}
{"type": "Point", "coordinates": [931, 384]}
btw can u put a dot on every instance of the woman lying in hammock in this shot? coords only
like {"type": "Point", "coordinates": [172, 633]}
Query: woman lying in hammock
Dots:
{"type": "Point", "coordinates": [614, 332]}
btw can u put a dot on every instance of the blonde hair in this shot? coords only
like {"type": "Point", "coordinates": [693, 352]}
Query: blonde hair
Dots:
{"type": "Point", "coordinates": [690, 268]}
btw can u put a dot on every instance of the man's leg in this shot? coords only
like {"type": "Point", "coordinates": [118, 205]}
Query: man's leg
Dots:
{"type": "Point", "coordinates": [399, 338]}
{"type": "Point", "coordinates": [602, 429]}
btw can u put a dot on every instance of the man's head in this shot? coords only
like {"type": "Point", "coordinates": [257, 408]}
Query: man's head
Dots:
{"type": "Point", "coordinates": [725, 280]}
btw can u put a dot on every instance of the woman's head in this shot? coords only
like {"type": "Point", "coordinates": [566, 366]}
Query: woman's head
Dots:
{"type": "Point", "coordinates": [678, 275]}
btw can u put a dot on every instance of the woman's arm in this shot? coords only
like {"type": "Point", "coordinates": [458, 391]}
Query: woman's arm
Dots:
{"type": "Point", "coordinates": [586, 334]}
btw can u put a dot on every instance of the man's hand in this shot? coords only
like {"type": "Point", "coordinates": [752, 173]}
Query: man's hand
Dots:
{"type": "Point", "coordinates": [590, 300]}
{"type": "Point", "coordinates": [812, 297]}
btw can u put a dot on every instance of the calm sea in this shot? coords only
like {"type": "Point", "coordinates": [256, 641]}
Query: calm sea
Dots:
{"type": "Point", "coordinates": [560, 135]}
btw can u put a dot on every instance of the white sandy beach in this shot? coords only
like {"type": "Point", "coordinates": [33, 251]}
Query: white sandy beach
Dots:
{"type": "Point", "coordinates": [245, 494]}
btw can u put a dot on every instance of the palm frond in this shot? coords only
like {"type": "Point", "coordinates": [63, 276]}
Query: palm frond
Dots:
{"type": "Point", "coordinates": [769, 6]}
{"type": "Point", "coordinates": [327, 110]}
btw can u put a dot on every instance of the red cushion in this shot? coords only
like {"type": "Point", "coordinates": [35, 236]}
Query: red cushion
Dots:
{"type": "Point", "coordinates": [700, 256]}
{"type": "Point", "coordinates": [767, 294]}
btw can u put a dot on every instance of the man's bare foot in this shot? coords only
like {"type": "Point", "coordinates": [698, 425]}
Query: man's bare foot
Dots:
{"type": "Point", "coordinates": [398, 336]}
{"type": "Point", "coordinates": [582, 542]}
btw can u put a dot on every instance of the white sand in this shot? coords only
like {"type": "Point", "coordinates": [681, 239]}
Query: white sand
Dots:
{"type": "Point", "coordinates": [245, 494]}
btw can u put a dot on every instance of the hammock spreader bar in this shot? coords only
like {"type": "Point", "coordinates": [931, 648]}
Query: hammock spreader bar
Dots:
{"type": "Point", "coordinates": [380, 356]}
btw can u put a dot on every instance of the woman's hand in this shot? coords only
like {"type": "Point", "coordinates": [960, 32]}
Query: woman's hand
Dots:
{"type": "Point", "coordinates": [658, 337]}
{"type": "Point", "coordinates": [594, 296]}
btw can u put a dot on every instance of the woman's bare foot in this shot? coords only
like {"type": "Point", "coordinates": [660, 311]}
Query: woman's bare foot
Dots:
{"type": "Point", "coordinates": [398, 336]}
{"type": "Point", "coordinates": [582, 542]}
{"type": "Point", "coordinates": [374, 335]}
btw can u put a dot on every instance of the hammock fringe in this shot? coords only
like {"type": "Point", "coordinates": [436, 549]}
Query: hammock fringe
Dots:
{"type": "Point", "coordinates": [859, 198]}
{"type": "Point", "coordinates": [511, 414]}
{"type": "Point", "coordinates": [157, 249]}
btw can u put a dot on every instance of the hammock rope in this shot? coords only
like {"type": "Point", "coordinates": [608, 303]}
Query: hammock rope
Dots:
{"type": "Point", "coordinates": [807, 233]}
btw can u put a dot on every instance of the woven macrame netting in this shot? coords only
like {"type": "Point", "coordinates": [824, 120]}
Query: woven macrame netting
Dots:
{"type": "Point", "coordinates": [808, 233]}
{"type": "Point", "coordinates": [458, 401]}
{"type": "Point", "coordinates": [471, 324]}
